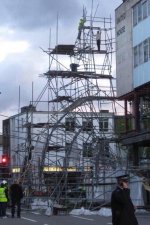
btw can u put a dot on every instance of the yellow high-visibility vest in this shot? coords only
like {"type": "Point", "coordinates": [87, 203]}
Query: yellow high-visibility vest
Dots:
{"type": "Point", "coordinates": [3, 197]}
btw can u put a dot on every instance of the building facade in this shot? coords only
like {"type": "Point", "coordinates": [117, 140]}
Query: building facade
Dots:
{"type": "Point", "coordinates": [133, 79]}
{"type": "Point", "coordinates": [48, 143]}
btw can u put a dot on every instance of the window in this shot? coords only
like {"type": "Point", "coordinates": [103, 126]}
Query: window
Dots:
{"type": "Point", "coordinates": [146, 106]}
{"type": "Point", "coordinates": [146, 51]}
{"type": "Point", "coordinates": [87, 150]}
{"type": "Point", "coordinates": [144, 9]}
{"type": "Point", "coordinates": [106, 153]}
{"type": "Point", "coordinates": [70, 124]}
{"type": "Point", "coordinates": [68, 147]}
{"type": "Point", "coordinates": [87, 125]}
{"type": "Point", "coordinates": [103, 124]}
{"type": "Point", "coordinates": [135, 56]}
{"type": "Point", "coordinates": [139, 12]}
{"type": "Point", "coordinates": [149, 47]}
{"type": "Point", "coordinates": [141, 53]}
{"type": "Point", "coordinates": [135, 15]}
{"type": "Point", "coordinates": [148, 6]}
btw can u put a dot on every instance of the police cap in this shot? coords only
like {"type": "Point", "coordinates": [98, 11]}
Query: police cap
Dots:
{"type": "Point", "coordinates": [124, 177]}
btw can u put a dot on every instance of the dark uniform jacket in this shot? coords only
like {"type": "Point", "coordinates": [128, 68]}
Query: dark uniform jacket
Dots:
{"type": "Point", "coordinates": [16, 192]}
{"type": "Point", "coordinates": [122, 208]}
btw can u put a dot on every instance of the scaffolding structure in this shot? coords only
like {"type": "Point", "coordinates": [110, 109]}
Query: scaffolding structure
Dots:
{"type": "Point", "coordinates": [79, 144]}
{"type": "Point", "coordinates": [71, 152]}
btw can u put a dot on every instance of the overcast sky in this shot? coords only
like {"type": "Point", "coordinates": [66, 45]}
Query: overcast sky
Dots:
{"type": "Point", "coordinates": [24, 28]}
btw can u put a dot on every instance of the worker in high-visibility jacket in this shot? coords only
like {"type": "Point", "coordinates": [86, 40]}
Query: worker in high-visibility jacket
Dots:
{"type": "Point", "coordinates": [3, 199]}
{"type": "Point", "coordinates": [80, 27]}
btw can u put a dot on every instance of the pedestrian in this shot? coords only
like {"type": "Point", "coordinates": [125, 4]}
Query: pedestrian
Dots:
{"type": "Point", "coordinates": [98, 39]}
{"type": "Point", "coordinates": [3, 198]}
{"type": "Point", "coordinates": [16, 194]}
{"type": "Point", "coordinates": [121, 204]}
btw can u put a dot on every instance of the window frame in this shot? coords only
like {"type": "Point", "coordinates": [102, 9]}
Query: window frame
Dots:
{"type": "Point", "coordinates": [135, 49]}
{"type": "Point", "coordinates": [87, 150]}
{"type": "Point", "coordinates": [144, 10]}
{"type": "Point", "coordinates": [146, 50]}
{"type": "Point", "coordinates": [103, 121]}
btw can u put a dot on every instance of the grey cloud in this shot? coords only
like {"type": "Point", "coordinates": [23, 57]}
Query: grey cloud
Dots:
{"type": "Point", "coordinates": [33, 18]}
{"type": "Point", "coordinates": [32, 14]}
{"type": "Point", "coordinates": [13, 74]}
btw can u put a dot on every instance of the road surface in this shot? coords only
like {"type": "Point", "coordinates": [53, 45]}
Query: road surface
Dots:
{"type": "Point", "coordinates": [37, 218]}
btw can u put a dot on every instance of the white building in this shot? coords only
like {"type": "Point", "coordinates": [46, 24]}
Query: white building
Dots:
{"type": "Point", "coordinates": [28, 134]}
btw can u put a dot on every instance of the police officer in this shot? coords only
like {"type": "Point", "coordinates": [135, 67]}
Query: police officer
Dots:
{"type": "Point", "coordinates": [121, 204]}
{"type": "Point", "coordinates": [3, 198]}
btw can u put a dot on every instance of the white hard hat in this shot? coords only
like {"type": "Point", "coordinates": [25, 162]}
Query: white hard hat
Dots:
{"type": "Point", "coordinates": [4, 182]}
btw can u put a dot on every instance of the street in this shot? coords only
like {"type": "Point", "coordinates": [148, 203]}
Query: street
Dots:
{"type": "Point", "coordinates": [29, 218]}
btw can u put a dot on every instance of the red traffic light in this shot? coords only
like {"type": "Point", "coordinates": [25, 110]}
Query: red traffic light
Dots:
{"type": "Point", "coordinates": [4, 160]}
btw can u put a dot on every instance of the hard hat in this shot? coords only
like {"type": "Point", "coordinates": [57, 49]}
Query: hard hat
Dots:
{"type": "Point", "coordinates": [4, 182]}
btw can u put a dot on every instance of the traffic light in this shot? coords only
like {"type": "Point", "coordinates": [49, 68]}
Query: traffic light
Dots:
{"type": "Point", "coordinates": [5, 160]}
